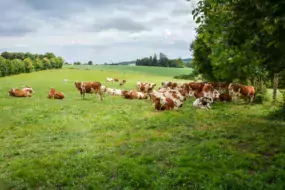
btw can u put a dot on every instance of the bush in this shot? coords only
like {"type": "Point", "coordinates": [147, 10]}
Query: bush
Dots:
{"type": "Point", "coordinates": [260, 95]}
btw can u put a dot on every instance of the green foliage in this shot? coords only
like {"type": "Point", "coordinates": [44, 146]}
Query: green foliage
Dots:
{"type": "Point", "coordinates": [29, 67]}
{"type": "Point", "coordinates": [90, 63]}
{"type": "Point", "coordinates": [125, 144]}
{"type": "Point", "coordinates": [18, 62]}
{"type": "Point", "coordinates": [46, 63]}
{"type": "Point", "coordinates": [261, 95]}
{"type": "Point", "coordinates": [162, 62]}
{"type": "Point", "coordinates": [77, 63]}
{"type": "Point", "coordinates": [249, 43]}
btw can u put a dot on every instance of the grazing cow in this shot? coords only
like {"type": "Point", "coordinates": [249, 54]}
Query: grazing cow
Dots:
{"type": "Point", "coordinates": [28, 88]}
{"type": "Point", "coordinates": [243, 91]}
{"type": "Point", "coordinates": [116, 79]}
{"type": "Point", "coordinates": [163, 103]}
{"type": "Point", "coordinates": [19, 93]}
{"type": "Point", "coordinates": [203, 102]}
{"type": "Point", "coordinates": [90, 88]}
{"type": "Point", "coordinates": [109, 80]}
{"type": "Point", "coordinates": [225, 97]}
{"type": "Point", "coordinates": [122, 82]}
{"type": "Point", "coordinates": [55, 95]}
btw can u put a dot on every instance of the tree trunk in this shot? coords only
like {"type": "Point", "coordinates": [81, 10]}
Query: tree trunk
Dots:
{"type": "Point", "coordinates": [275, 86]}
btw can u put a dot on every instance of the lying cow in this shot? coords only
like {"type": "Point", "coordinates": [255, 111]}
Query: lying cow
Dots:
{"type": "Point", "coordinates": [165, 103]}
{"type": "Point", "coordinates": [145, 87]}
{"type": "Point", "coordinates": [55, 95]}
{"type": "Point", "coordinates": [224, 97]}
{"type": "Point", "coordinates": [19, 93]}
{"type": "Point", "coordinates": [133, 94]}
{"type": "Point", "coordinates": [90, 88]}
{"type": "Point", "coordinates": [112, 91]}
{"type": "Point", "coordinates": [109, 79]}
{"type": "Point", "coordinates": [203, 102]}
{"type": "Point", "coordinates": [122, 82]}
{"type": "Point", "coordinates": [28, 88]}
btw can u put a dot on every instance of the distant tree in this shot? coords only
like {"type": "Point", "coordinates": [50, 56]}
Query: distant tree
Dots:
{"type": "Point", "coordinates": [46, 63]}
{"type": "Point", "coordinates": [90, 63]}
{"type": "Point", "coordinates": [154, 61]}
{"type": "Point", "coordinates": [3, 68]}
{"type": "Point", "coordinates": [29, 67]}
{"type": "Point", "coordinates": [38, 64]}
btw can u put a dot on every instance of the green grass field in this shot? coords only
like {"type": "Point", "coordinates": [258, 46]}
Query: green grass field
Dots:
{"type": "Point", "coordinates": [125, 144]}
{"type": "Point", "coordinates": [142, 70]}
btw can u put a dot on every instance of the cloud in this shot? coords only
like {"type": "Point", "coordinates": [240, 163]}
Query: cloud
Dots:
{"type": "Point", "coordinates": [98, 30]}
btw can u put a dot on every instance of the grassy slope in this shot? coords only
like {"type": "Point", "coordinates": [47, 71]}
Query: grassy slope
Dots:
{"type": "Point", "coordinates": [122, 143]}
{"type": "Point", "coordinates": [143, 70]}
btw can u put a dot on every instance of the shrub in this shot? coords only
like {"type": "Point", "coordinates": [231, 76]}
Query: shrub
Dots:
{"type": "Point", "coordinates": [260, 95]}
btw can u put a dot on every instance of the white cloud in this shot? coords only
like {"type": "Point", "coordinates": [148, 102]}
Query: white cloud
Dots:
{"type": "Point", "coordinates": [98, 31]}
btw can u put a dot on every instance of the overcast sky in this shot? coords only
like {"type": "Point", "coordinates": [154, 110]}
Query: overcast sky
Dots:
{"type": "Point", "coordinates": [97, 30]}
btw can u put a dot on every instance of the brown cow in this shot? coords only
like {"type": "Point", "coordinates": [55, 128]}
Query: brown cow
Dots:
{"type": "Point", "coordinates": [90, 88]}
{"type": "Point", "coordinates": [116, 79]}
{"type": "Point", "coordinates": [196, 86]}
{"type": "Point", "coordinates": [19, 93]}
{"type": "Point", "coordinates": [55, 95]}
{"type": "Point", "coordinates": [243, 91]}
{"type": "Point", "coordinates": [122, 82]}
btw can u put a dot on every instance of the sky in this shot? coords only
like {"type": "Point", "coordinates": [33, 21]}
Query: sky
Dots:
{"type": "Point", "coordinates": [98, 30]}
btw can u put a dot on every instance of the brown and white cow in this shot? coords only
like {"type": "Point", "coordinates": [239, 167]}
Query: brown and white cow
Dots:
{"type": "Point", "coordinates": [55, 95]}
{"type": "Point", "coordinates": [171, 85]}
{"type": "Point", "coordinates": [144, 86]}
{"type": "Point", "coordinates": [203, 102]}
{"type": "Point", "coordinates": [90, 88]}
{"type": "Point", "coordinates": [133, 94]}
{"type": "Point", "coordinates": [243, 91]}
{"type": "Point", "coordinates": [109, 79]}
{"type": "Point", "coordinates": [28, 88]}
{"type": "Point", "coordinates": [122, 82]}
{"type": "Point", "coordinates": [210, 91]}
{"type": "Point", "coordinates": [19, 93]}
{"type": "Point", "coordinates": [165, 104]}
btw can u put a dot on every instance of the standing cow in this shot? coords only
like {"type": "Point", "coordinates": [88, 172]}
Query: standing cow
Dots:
{"type": "Point", "coordinates": [89, 87]}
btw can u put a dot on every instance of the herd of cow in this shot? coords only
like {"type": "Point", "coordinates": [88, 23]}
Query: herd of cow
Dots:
{"type": "Point", "coordinates": [167, 97]}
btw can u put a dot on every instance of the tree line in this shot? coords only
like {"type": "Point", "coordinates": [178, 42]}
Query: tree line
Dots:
{"type": "Point", "coordinates": [12, 63]}
{"type": "Point", "coordinates": [163, 61]}
{"type": "Point", "coordinates": [240, 41]}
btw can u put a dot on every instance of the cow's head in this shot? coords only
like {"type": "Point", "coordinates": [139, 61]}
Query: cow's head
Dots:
{"type": "Point", "coordinates": [216, 94]}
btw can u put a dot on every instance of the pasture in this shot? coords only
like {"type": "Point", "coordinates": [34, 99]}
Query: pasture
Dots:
{"type": "Point", "coordinates": [125, 144]}
{"type": "Point", "coordinates": [142, 70]}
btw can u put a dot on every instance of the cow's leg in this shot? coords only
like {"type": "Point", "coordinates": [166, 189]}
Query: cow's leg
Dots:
{"type": "Point", "coordinates": [251, 98]}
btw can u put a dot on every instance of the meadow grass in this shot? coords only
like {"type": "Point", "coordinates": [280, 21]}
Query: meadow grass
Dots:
{"type": "Point", "coordinates": [121, 69]}
{"type": "Point", "coordinates": [125, 144]}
